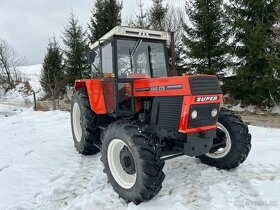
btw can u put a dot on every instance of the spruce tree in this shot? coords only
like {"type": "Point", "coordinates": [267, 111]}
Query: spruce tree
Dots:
{"type": "Point", "coordinates": [141, 19]}
{"type": "Point", "coordinates": [257, 81]}
{"type": "Point", "coordinates": [106, 14]}
{"type": "Point", "coordinates": [157, 15]}
{"type": "Point", "coordinates": [52, 75]}
{"type": "Point", "coordinates": [76, 65]}
{"type": "Point", "coordinates": [273, 56]}
{"type": "Point", "coordinates": [205, 37]}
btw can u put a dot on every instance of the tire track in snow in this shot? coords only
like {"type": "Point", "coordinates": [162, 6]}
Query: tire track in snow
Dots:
{"type": "Point", "coordinates": [77, 184]}
{"type": "Point", "coordinates": [4, 167]}
{"type": "Point", "coordinates": [188, 185]}
{"type": "Point", "coordinates": [192, 180]}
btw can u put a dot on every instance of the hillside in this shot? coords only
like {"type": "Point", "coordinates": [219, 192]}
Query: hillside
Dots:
{"type": "Point", "coordinates": [22, 95]}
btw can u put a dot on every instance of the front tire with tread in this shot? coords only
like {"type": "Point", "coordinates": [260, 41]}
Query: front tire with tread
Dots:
{"type": "Point", "coordinates": [148, 165]}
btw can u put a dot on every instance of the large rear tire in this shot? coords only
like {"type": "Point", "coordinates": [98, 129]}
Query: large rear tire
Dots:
{"type": "Point", "coordinates": [233, 142]}
{"type": "Point", "coordinates": [84, 124]}
{"type": "Point", "coordinates": [131, 163]}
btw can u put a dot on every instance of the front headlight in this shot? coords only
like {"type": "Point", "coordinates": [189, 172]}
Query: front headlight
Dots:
{"type": "Point", "coordinates": [194, 114]}
{"type": "Point", "coordinates": [214, 112]}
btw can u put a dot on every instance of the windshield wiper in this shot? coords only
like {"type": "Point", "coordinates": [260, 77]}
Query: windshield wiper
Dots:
{"type": "Point", "coordinates": [131, 53]}
{"type": "Point", "coordinates": [136, 46]}
{"type": "Point", "coordinates": [150, 60]}
{"type": "Point", "coordinates": [130, 59]}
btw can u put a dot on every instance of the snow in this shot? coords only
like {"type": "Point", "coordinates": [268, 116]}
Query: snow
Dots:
{"type": "Point", "coordinates": [275, 109]}
{"type": "Point", "coordinates": [237, 108]}
{"type": "Point", "coordinates": [32, 74]}
{"type": "Point", "coordinates": [18, 95]}
{"type": "Point", "coordinates": [251, 108]}
{"type": "Point", "coordinates": [40, 169]}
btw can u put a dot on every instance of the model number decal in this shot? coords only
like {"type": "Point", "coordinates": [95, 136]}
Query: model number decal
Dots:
{"type": "Point", "coordinates": [206, 98]}
{"type": "Point", "coordinates": [160, 88]}
{"type": "Point", "coordinates": [157, 88]}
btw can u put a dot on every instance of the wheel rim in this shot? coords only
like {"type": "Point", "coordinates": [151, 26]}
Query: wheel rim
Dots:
{"type": "Point", "coordinates": [222, 152]}
{"type": "Point", "coordinates": [77, 122]}
{"type": "Point", "coordinates": [123, 178]}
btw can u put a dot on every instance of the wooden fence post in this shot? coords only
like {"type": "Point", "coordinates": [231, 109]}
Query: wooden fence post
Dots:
{"type": "Point", "coordinates": [35, 103]}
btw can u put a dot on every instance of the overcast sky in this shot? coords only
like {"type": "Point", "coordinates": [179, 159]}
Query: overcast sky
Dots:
{"type": "Point", "coordinates": [28, 24]}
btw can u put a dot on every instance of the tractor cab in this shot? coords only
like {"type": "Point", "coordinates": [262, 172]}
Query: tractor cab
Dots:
{"type": "Point", "coordinates": [130, 53]}
{"type": "Point", "coordinates": [124, 55]}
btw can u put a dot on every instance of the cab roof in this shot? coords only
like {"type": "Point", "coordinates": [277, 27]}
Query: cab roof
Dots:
{"type": "Point", "coordinates": [132, 32]}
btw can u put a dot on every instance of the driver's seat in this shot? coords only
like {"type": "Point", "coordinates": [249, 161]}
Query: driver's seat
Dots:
{"type": "Point", "coordinates": [139, 75]}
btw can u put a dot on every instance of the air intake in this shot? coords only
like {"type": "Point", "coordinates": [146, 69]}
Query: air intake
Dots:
{"type": "Point", "coordinates": [204, 85]}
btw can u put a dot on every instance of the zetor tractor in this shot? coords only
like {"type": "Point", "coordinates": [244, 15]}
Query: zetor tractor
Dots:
{"type": "Point", "coordinates": [138, 117]}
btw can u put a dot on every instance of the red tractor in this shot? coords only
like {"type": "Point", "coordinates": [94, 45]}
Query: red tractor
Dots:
{"type": "Point", "coordinates": [138, 117]}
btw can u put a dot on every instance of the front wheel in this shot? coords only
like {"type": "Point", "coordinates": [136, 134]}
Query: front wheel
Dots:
{"type": "Point", "coordinates": [131, 163]}
{"type": "Point", "coordinates": [232, 144]}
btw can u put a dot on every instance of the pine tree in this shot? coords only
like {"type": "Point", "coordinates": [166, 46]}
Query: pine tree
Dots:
{"type": "Point", "coordinates": [273, 57]}
{"type": "Point", "coordinates": [106, 14]}
{"type": "Point", "coordinates": [205, 37]}
{"type": "Point", "coordinates": [141, 19]}
{"type": "Point", "coordinates": [157, 15]}
{"type": "Point", "coordinates": [52, 75]}
{"type": "Point", "coordinates": [253, 22]}
{"type": "Point", "coordinates": [76, 65]}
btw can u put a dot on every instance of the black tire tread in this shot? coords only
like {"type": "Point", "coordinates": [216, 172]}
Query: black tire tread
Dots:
{"type": "Point", "coordinates": [239, 133]}
{"type": "Point", "coordinates": [151, 173]}
{"type": "Point", "coordinates": [89, 125]}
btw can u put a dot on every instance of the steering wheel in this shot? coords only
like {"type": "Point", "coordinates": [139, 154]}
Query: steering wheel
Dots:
{"type": "Point", "coordinates": [139, 70]}
{"type": "Point", "coordinates": [127, 71]}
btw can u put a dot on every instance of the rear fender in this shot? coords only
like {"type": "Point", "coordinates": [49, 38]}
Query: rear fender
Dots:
{"type": "Point", "coordinates": [95, 94]}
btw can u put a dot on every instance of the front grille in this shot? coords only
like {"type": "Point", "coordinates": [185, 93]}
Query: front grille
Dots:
{"type": "Point", "coordinates": [166, 112]}
{"type": "Point", "coordinates": [204, 85]}
{"type": "Point", "coordinates": [204, 117]}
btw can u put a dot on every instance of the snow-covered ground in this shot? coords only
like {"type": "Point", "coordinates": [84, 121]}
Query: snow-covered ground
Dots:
{"type": "Point", "coordinates": [40, 169]}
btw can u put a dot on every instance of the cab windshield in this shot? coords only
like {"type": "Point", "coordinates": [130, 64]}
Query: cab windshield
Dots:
{"type": "Point", "coordinates": [141, 59]}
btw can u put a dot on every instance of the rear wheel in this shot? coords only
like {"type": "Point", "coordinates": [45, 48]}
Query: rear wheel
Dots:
{"type": "Point", "coordinates": [84, 124]}
{"type": "Point", "coordinates": [131, 163]}
{"type": "Point", "coordinates": [233, 142]}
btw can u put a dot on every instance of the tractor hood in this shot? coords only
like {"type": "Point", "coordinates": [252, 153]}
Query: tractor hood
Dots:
{"type": "Point", "coordinates": [178, 86]}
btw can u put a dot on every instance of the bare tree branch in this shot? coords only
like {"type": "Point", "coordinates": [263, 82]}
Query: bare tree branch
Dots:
{"type": "Point", "coordinates": [9, 62]}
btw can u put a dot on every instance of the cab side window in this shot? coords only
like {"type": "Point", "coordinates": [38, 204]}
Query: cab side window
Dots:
{"type": "Point", "coordinates": [96, 65]}
{"type": "Point", "coordinates": [107, 60]}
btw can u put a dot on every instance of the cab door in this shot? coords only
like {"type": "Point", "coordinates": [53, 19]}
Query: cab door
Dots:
{"type": "Point", "coordinates": [124, 97]}
{"type": "Point", "coordinates": [117, 91]}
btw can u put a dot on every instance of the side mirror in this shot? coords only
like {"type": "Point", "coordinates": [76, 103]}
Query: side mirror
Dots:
{"type": "Point", "coordinates": [91, 54]}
